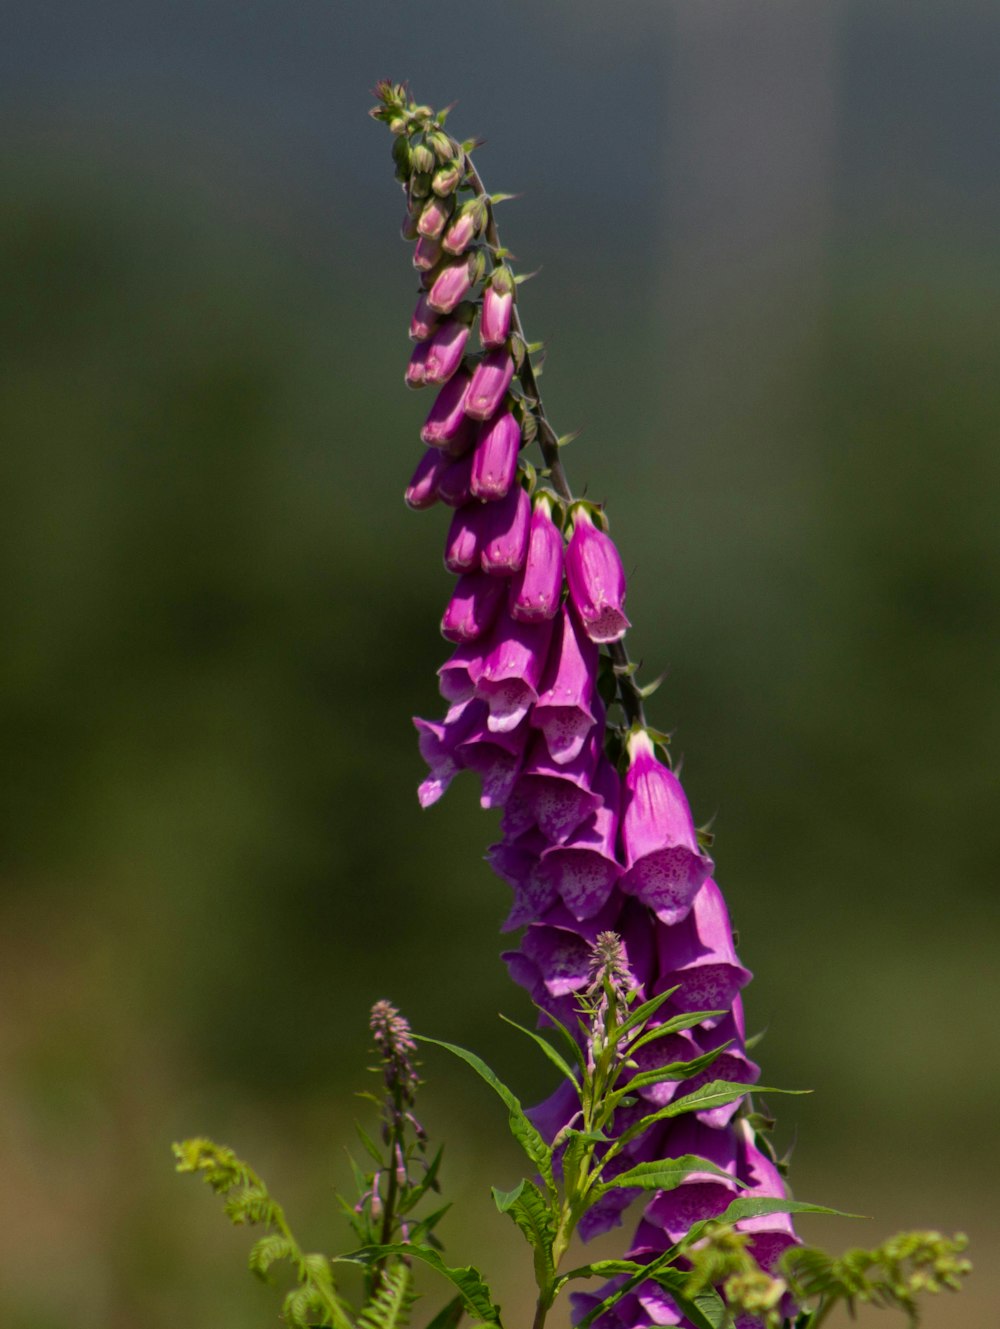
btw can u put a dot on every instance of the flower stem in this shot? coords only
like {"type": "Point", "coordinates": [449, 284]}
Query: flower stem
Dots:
{"type": "Point", "coordinates": [628, 688]}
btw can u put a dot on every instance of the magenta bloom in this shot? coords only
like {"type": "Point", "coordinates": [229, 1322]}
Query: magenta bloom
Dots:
{"type": "Point", "coordinates": [512, 665]}
{"type": "Point", "coordinates": [424, 320]}
{"type": "Point", "coordinates": [556, 797]}
{"type": "Point", "coordinates": [583, 869]}
{"type": "Point", "coordinates": [496, 757]}
{"type": "Point", "coordinates": [473, 607]}
{"type": "Point", "coordinates": [538, 590]}
{"type": "Point", "coordinates": [498, 306]}
{"type": "Point", "coordinates": [498, 442]}
{"type": "Point", "coordinates": [490, 381]}
{"type": "Point", "coordinates": [445, 350]}
{"type": "Point", "coordinates": [505, 533]}
{"type": "Point", "coordinates": [439, 744]}
{"type": "Point", "coordinates": [458, 676]}
{"type": "Point", "coordinates": [426, 254]}
{"type": "Point", "coordinates": [450, 286]}
{"type": "Point", "coordinates": [664, 866]}
{"type": "Point", "coordinates": [566, 705]}
{"type": "Point", "coordinates": [517, 861]}
{"type": "Point", "coordinates": [453, 481]}
{"type": "Point", "coordinates": [596, 579]}
{"type": "Point", "coordinates": [698, 953]}
{"type": "Point", "coordinates": [447, 425]}
{"type": "Point", "coordinates": [422, 490]}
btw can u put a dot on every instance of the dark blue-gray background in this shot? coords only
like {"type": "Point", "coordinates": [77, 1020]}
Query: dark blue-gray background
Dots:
{"type": "Point", "coordinates": [769, 281]}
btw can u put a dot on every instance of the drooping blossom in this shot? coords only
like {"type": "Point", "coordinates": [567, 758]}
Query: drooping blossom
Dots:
{"type": "Point", "coordinates": [596, 579]}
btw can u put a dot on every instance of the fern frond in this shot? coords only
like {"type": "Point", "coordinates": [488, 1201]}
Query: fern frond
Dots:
{"type": "Point", "coordinates": [390, 1307]}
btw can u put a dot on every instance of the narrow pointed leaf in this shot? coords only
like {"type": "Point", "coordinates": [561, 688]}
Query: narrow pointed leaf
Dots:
{"type": "Point", "coordinates": [705, 1310]}
{"type": "Point", "coordinates": [520, 1127]}
{"type": "Point", "coordinates": [546, 1046]}
{"type": "Point", "coordinates": [663, 1175]}
{"type": "Point", "coordinates": [527, 1207]}
{"type": "Point", "coordinates": [449, 1316]}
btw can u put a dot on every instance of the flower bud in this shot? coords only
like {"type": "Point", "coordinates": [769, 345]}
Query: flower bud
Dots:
{"type": "Point", "coordinates": [422, 158]}
{"type": "Point", "coordinates": [537, 590]}
{"type": "Point", "coordinates": [473, 607]}
{"type": "Point", "coordinates": [445, 181]}
{"type": "Point", "coordinates": [453, 481]}
{"type": "Point", "coordinates": [402, 156]}
{"type": "Point", "coordinates": [505, 537]}
{"type": "Point", "coordinates": [565, 712]}
{"type": "Point", "coordinates": [498, 307]}
{"type": "Point", "coordinates": [420, 185]}
{"type": "Point", "coordinates": [596, 579]}
{"type": "Point", "coordinates": [442, 146]}
{"type": "Point", "coordinates": [424, 320]}
{"type": "Point", "coordinates": [452, 284]}
{"type": "Point", "coordinates": [494, 465]}
{"type": "Point", "coordinates": [408, 227]}
{"type": "Point", "coordinates": [434, 217]}
{"type": "Point", "coordinates": [447, 426]}
{"type": "Point", "coordinates": [422, 491]}
{"type": "Point", "coordinates": [466, 227]}
{"type": "Point", "coordinates": [490, 382]}
{"type": "Point", "coordinates": [465, 538]}
{"type": "Point", "coordinates": [416, 370]}
{"type": "Point", "coordinates": [445, 350]}
{"type": "Point", "coordinates": [426, 253]}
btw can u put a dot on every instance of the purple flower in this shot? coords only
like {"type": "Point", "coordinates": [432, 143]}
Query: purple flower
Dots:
{"type": "Point", "coordinates": [451, 285]}
{"type": "Point", "coordinates": [446, 348]}
{"type": "Point", "coordinates": [426, 254]}
{"type": "Point", "coordinates": [496, 757]}
{"type": "Point", "coordinates": [422, 490]}
{"type": "Point", "coordinates": [424, 320]}
{"type": "Point", "coordinates": [416, 370]}
{"type": "Point", "coordinates": [473, 607]}
{"type": "Point", "coordinates": [447, 425]}
{"type": "Point", "coordinates": [596, 579]}
{"type": "Point", "coordinates": [772, 1233]}
{"type": "Point", "coordinates": [512, 665]}
{"type": "Point", "coordinates": [703, 1194]}
{"type": "Point", "coordinates": [498, 442]}
{"type": "Point", "coordinates": [490, 380]}
{"type": "Point", "coordinates": [498, 306]}
{"type": "Point", "coordinates": [567, 701]}
{"type": "Point", "coordinates": [583, 869]}
{"type": "Point", "coordinates": [556, 797]}
{"type": "Point", "coordinates": [517, 861]}
{"type": "Point", "coordinates": [505, 533]}
{"type": "Point", "coordinates": [459, 674]}
{"type": "Point", "coordinates": [439, 744]}
{"type": "Point", "coordinates": [538, 590]}
{"type": "Point", "coordinates": [664, 866]}
{"type": "Point", "coordinates": [453, 480]}
{"type": "Point", "coordinates": [698, 953]}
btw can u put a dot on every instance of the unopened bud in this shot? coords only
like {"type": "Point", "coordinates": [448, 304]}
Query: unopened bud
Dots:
{"type": "Point", "coordinates": [402, 157]}
{"type": "Point", "coordinates": [422, 158]}
{"type": "Point", "coordinates": [408, 227]}
{"type": "Point", "coordinates": [446, 180]}
{"type": "Point", "coordinates": [426, 253]}
{"type": "Point", "coordinates": [498, 307]}
{"type": "Point", "coordinates": [444, 149]}
{"type": "Point", "coordinates": [420, 184]}
{"type": "Point", "coordinates": [466, 227]}
{"type": "Point", "coordinates": [435, 216]}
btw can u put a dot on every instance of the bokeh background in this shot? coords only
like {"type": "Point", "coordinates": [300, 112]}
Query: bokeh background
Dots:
{"type": "Point", "coordinates": [770, 288]}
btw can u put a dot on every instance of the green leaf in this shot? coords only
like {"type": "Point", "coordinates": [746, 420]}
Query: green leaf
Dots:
{"type": "Point", "coordinates": [705, 1310]}
{"type": "Point", "coordinates": [426, 1183]}
{"type": "Point", "coordinates": [676, 1070]}
{"type": "Point", "coordinates": [528, 1208]}
{"type": "Point", "coordinates": [604, 1269]}
{"type": "Point", "coordinates": [675, 1025]}
{"type": "Point", "coordinates": [643, 1013]}
{"type": "Point", "coordinates": [467, 1280]}
{"type": "Point", "coordinates": [553, 1056]}
{"type": "Point", "coordinates": [664, 1175]}
{"type": "Point", "coordinates": [520, 1127]}
{"type": "Point", "coordinates": [751, 1206]}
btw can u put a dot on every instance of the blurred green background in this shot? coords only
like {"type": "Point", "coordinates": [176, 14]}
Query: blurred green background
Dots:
{"type": "Point", "coordinates": [770, 292]}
